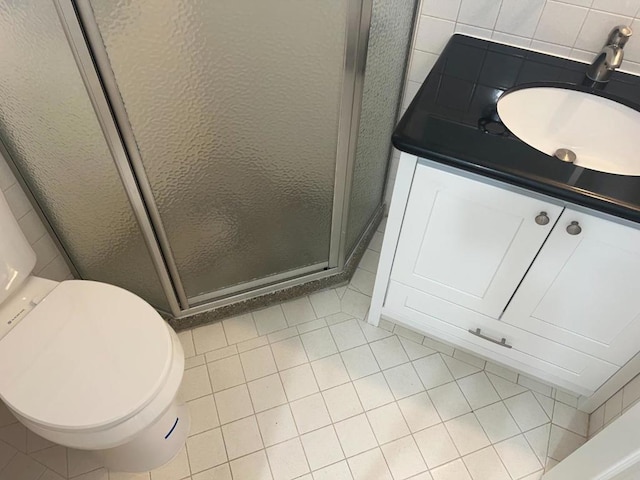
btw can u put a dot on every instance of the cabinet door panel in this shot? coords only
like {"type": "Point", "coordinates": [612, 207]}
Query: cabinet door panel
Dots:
{"type": "Point", "coordinates": [584, 290]}
{"type": "Point", "coordinates": [466, 241]}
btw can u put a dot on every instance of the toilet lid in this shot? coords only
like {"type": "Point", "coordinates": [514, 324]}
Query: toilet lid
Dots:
{"type": "Point", "coordinates": [88, 355]}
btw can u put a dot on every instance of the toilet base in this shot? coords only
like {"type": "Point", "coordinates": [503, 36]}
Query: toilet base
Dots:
{"type": "Point", "coordinates": [153, 447]}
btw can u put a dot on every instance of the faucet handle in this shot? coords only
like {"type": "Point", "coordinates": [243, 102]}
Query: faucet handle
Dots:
{"type": "Point", "coordinates": [619, 35]}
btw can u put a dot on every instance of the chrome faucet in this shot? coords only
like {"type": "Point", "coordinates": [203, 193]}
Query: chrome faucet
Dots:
{"type": "Point", "coordinates": [610, 57]}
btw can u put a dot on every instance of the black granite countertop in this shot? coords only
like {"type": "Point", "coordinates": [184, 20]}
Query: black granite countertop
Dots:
{"type": "Point", "coordinates": [453, 120]}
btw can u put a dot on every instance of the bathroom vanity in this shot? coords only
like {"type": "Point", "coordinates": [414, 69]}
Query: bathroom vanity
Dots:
{"type": "Point", "coordinates": [500, 249]}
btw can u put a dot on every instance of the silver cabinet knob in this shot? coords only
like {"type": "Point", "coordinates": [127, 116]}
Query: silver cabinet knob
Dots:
{"type": "Point", "coordinates": [542, 218]}
{"type": "Point", "coordinates": [574, 228]}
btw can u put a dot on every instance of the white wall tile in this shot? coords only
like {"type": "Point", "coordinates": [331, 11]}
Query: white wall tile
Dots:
{"type": "Point", "coordinates": [596, 28]}
{"type": "Point", "coordinates": [560, 23]}
{"type": "Point", "coordinates": [442, 9]}
{"type": "Point", "coordinates": [519, 18]}
{"type": "Point", "coordinates": [481, 13]}
{"type": "Point", "coordinates": [433, 34]}
{"type": "Point", "coordinates": [622, 7]}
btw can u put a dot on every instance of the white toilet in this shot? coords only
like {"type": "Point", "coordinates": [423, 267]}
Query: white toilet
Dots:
{"type": "Point", "coordinates": [86, 364]}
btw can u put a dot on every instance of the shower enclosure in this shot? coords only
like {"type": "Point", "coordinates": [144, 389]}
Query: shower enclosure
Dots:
{"type": "Point", "coordinates": [202, 153]}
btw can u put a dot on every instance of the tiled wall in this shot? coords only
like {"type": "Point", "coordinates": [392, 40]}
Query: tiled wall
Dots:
{"type": "Point", "coordinates": [50, 263]}
{"type": "Point", "coordinates": [568, 28]}
{"type": "Point", "coordinates": [619, 403]}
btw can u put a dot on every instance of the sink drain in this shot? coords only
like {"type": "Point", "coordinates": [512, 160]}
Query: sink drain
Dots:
{"type": "Point", "coordinates": [565, 155]}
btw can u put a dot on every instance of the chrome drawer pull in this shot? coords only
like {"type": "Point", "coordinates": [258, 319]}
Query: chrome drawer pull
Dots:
{"type": "Point", "coordinates": [478, 333]}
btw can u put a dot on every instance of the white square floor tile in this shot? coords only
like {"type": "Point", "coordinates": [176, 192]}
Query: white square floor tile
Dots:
{"type": "Point", "coordinates": [269, 320]}
{"type": "Point", "coordinates": [175, 469]}
{"type": "Point", "coordinates": [571, 419]}
{"type": "Point", "coordinates": [298, 382]}
{"type": "Point", "coordinates": [226, 373]}
{"type": "Point", "coordinates": [419, 412]}
{"type": "Point", "coordinates": [505, 388]}
{"type": "Point", "coordinates": [319, 344]}
{"type": "Point", "coordinates": [459, 368]}
{"type": "Point", "coordinates": [312, 325]}
{"type": "Point", "coordinates": [258, 363]}
{"type": "Point", "coordinates": [497, 422]}
{"type": "Point", "coordinates": [310, 413]}
{"type": "Point", "coordinates": [545, 402]}
{"type": "Point", "coordinates": [206, 450]}
{"type": "Point", "coordinates": [360, 362]}
{"type": "Point", "coordinates": [209, 337]}
{"type": "Point", "coordinates": [403, 457]}
{"type": "Point", "coordinates": [372, 333]}
{"type": "Point", "coordinates": [242, 437]}
{"type": "Point", "coordinates": [277, 425]}
{"type": "Point", "coordinates": [517, 456]}
{"type": "Point", "coordinates": [204, 414]}
{"type": "Point", "coordinates": [348, 335]}
{"type": "Point", "coordinates": [289, 353]}
{"type": "Point", "coordinates": [287, 460]}
{"type": "Point", "coordinates": [240, 328]}
{"type": "Point", "coordinates": [387, 423]}
{"type": "Point", "coordinates": [325, 303]}
{"type": "Point", "coordinates": [369, 465]}
{"type": "Point", "coordinates": [415, 350]}
{"type": "Point", "coordinates": [436, 445]}
{"type": "Point", "coordinates": [455, 470]}
{"type": "Point", "coordinates": [389, 352]}
{"type": "Point", "coordinates": [363, 281]}
{"type": "Point", "coordinates": [266, 393]}
{"type": "Point", "coordinates": [355, 435]}
{"type": "Point", "coordinates": [355, 304]}
{"type": "Point", "coordinates": [563, 443]}
{"type": "Point", "coordinates": [186, 340]}
{"type": "Point", "coordinates": [233, 404]}
{"type": "Point", "coordinates": [322, 447]}
{"type": "Point", "coordinates": [342, 402]}
{"type": "Point", "coordinates": [486, 465]}
{"type": "Point", "coordinates": [195, 383]}
{"type": "Point", "coordinates": [254, 466]}
{"type": "Point", "coordinates": [432, 371]}
{"type": "Point", "coordinates": [373, 391]}
{"type": "Point", "coordinates": [298, 311]}
{"type": "Point", "coordinates": [22, 467]}
{"type": "Point", "coordinates": [330, 372]}
{"type": "Point", "coordinates": [449, 401]}
{"type": "Point", "coordinates": [526, 411]}
{"type": "Point", "coordinates": [337, 471]}
{"type": "Point", "coordinates": [478, 390]}
{"type": "Point", "coordinates": [403, 381]}
{"type": "Point", "coordinates": [538, 439]}
{"type": "Point", "coordinates": [467, 434]}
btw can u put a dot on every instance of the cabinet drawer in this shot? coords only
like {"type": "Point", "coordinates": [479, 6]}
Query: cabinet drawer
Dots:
{"type": "Point", "coordinates": [530, 353]}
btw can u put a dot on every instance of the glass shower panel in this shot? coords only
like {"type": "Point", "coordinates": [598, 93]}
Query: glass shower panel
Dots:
{"type": "Point", "coordinates": [48, 125]}
{"type": "Point", "coordinates": [234, 106]}
{"type": "Point", "coordinates": [389, 37]}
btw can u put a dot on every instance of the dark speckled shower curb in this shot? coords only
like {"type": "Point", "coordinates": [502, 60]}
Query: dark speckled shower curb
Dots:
{"type": "Point", "coordinates": [289, 293]}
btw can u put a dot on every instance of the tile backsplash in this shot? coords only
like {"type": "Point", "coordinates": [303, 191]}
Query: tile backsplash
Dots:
{"type": "Point", "coordinates": [573, 29]}
{"type": "Point", "coordinates": [49, 263]}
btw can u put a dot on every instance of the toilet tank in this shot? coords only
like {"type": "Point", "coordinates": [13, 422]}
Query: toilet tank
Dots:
{"type": "Point", "coordinates": [17, 258]}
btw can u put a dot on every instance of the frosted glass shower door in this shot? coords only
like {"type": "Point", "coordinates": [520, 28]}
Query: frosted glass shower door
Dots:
{"type": "Point", "coordinates": [50, 130]}
{"type": "Point", "coordinates": [234, 105]}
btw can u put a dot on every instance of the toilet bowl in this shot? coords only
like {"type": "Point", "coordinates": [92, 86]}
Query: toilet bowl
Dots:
{"type": "Point", "coordinates": [86, 364]}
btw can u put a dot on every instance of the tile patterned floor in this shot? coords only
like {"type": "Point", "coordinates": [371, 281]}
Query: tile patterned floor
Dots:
{"type": "Point", "coordinates": [307, 390]}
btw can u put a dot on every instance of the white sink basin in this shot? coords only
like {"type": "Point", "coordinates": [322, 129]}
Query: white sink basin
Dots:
{"type": "Point", "coordinates": [604, 135]}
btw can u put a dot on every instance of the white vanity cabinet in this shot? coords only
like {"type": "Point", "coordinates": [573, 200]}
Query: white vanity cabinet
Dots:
{"type": "Point", "coordinates": [514, 277]}
{"type": "Point", "coordinates": [468, 242]}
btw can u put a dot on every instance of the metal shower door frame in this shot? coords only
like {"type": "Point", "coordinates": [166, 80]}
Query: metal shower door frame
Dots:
{"type": "Point", "coordinates": [83, 35]}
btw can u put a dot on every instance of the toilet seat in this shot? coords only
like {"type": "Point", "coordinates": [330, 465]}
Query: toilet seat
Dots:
{"type": "Point", "coordinates": [88, 356]}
